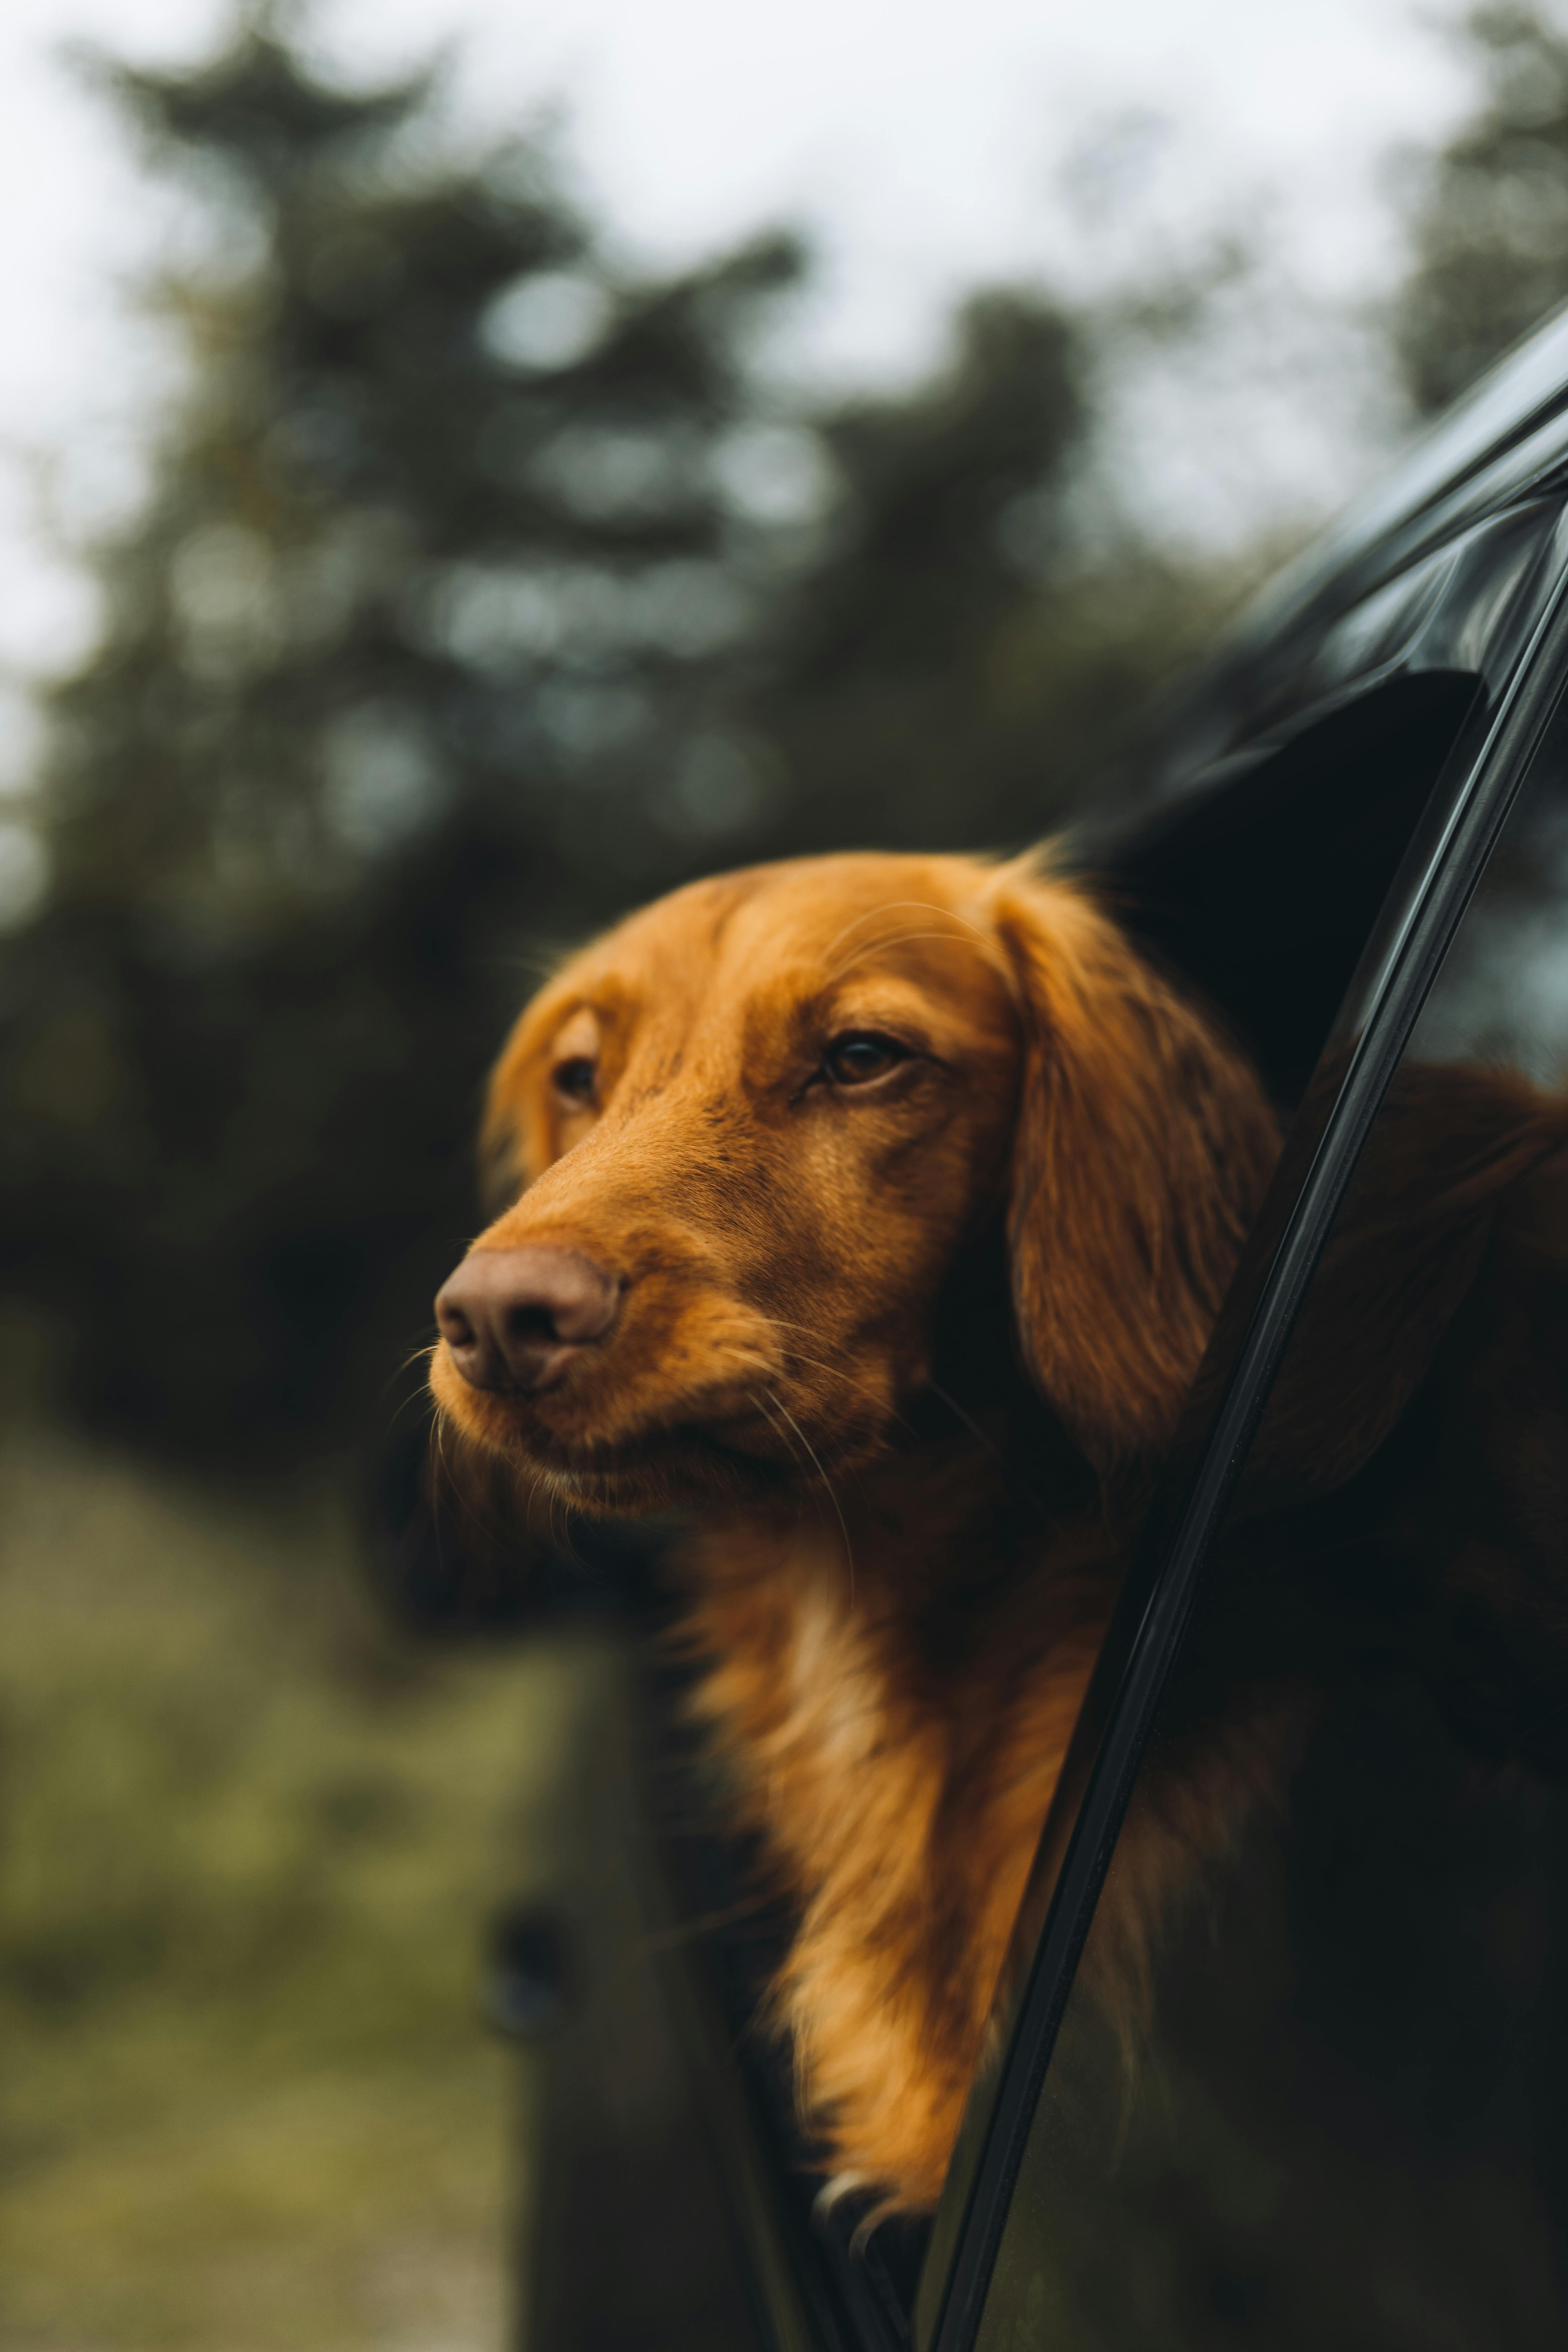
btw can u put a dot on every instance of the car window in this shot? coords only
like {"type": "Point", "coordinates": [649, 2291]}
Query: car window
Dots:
{"type": "Point", "coordinates": [1310, 2085]}
{"type": "Point", "coordinates": [1277, 891]}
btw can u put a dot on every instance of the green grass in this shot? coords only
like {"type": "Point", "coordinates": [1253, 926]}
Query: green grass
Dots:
{"type": "Point", "coordinates": [249, 1841]}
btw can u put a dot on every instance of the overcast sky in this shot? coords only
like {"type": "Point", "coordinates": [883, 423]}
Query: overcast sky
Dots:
{"type": "Point", "coordinates": [921, 142]}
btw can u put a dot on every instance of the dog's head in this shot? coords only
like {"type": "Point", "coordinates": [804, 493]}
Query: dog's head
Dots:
{"type": "Point", "coordinates": [751, 1139]}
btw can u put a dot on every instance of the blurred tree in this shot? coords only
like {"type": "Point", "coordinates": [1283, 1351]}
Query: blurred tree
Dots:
{"type": "Point", "coordinates": [962, 660]}
{"type": "Point", "coordinates": [1488, 213]}
{"type": "Point", "coordinates": [397, 667]}
{"type": "Point", "coordinates": [482, 591]}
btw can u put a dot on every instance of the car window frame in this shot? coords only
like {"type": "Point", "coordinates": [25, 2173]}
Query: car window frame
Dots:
{"type": "Point", "coordinates": [1426, 904]}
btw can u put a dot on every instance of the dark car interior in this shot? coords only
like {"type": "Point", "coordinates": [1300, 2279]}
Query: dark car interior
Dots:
{"type": "Point", "coordinates": [1261, 892]}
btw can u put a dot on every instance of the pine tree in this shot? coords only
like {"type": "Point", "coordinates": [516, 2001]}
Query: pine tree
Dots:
{"type": "Point", "coordinates": [963, 664]}
{"type": "Point", "coordinates": [1488, 212]}
{"type": "Point", "coordinates": [401, 677]}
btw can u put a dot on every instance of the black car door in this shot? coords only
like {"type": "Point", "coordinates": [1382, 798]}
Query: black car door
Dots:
{"type": "Point", "coordinates": [1288, 2038]}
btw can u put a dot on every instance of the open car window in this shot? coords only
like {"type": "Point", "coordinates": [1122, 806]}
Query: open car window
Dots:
{"type": "Point", "coordinates": [1311, 2082]}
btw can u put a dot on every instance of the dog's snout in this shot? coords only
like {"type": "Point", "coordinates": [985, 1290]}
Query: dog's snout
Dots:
{"type": "Point", "coordinates": [514, 1318]}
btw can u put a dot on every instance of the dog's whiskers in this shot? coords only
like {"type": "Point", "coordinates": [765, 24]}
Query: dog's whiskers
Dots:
{"type": "Point", "coordinates": [417, 1356]}
{"type": "Point", "coordinates": [758, 1398]}
{"type": "Point", "coordinates": [874, 1395]}
{"type": "Point", "coordinates": [888, 1414]}
{"type": "Point", "coordinates": [443, 1483]}
{"type": "Point", "coordinates": [827, 1486]}
{"type": "Point", "coordinates": [837, 1371]}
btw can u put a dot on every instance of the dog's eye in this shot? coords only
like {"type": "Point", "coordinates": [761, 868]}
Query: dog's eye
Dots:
{"type": "Point", "coordinates": [853, 1059]}
{"type": "Point", "coordinates": [575, 1079]}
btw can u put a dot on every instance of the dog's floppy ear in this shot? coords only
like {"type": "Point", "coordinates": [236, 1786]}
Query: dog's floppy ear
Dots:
{"type": "Point", "coordinates": [1144, 1143]}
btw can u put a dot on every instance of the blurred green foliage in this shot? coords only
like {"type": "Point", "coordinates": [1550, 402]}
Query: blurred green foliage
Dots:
{"type": "Point", "coordinates": [1488, 212]}
{"type": "Point", "coordinates": [248, 1841]}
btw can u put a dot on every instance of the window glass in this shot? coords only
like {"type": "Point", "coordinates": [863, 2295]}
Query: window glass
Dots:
{"type": "Point", "coordinates": [1312, 2084]}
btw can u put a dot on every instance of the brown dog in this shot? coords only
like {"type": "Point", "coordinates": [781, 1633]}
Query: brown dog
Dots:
{"type": "Point", "coordinates": [883, 1205]}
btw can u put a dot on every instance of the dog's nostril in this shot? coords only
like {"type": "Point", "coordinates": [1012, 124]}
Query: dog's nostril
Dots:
{"type": "Point", "coordinates": [532, 1323]}
{"type": "Point", "coordinates": [513, 1319]}
{"type": "Point", "coordinates": [452, 1321]}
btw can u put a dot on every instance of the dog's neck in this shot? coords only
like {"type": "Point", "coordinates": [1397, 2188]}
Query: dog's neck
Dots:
{"type": "Point", "coordinates": [979, 1500]}
{"type": "Point", "coordinates": [894, 1672]}
{"type": "Point", "coordinates": [981, 1519]}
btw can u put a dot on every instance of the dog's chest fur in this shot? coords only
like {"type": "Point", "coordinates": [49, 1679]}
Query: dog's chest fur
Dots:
{"type": "Point", "coordinates": [893, 1697]}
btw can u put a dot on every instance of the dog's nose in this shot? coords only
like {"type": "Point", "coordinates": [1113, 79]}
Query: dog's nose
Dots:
{"type": "Point", "coordinates": [514, 1318]}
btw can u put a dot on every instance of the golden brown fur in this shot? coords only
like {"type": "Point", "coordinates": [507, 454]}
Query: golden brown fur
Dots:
{"type": "Point", "coordinates": [913, 1337]}
{"type": "Point", "coordinates": [908, 1338]}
